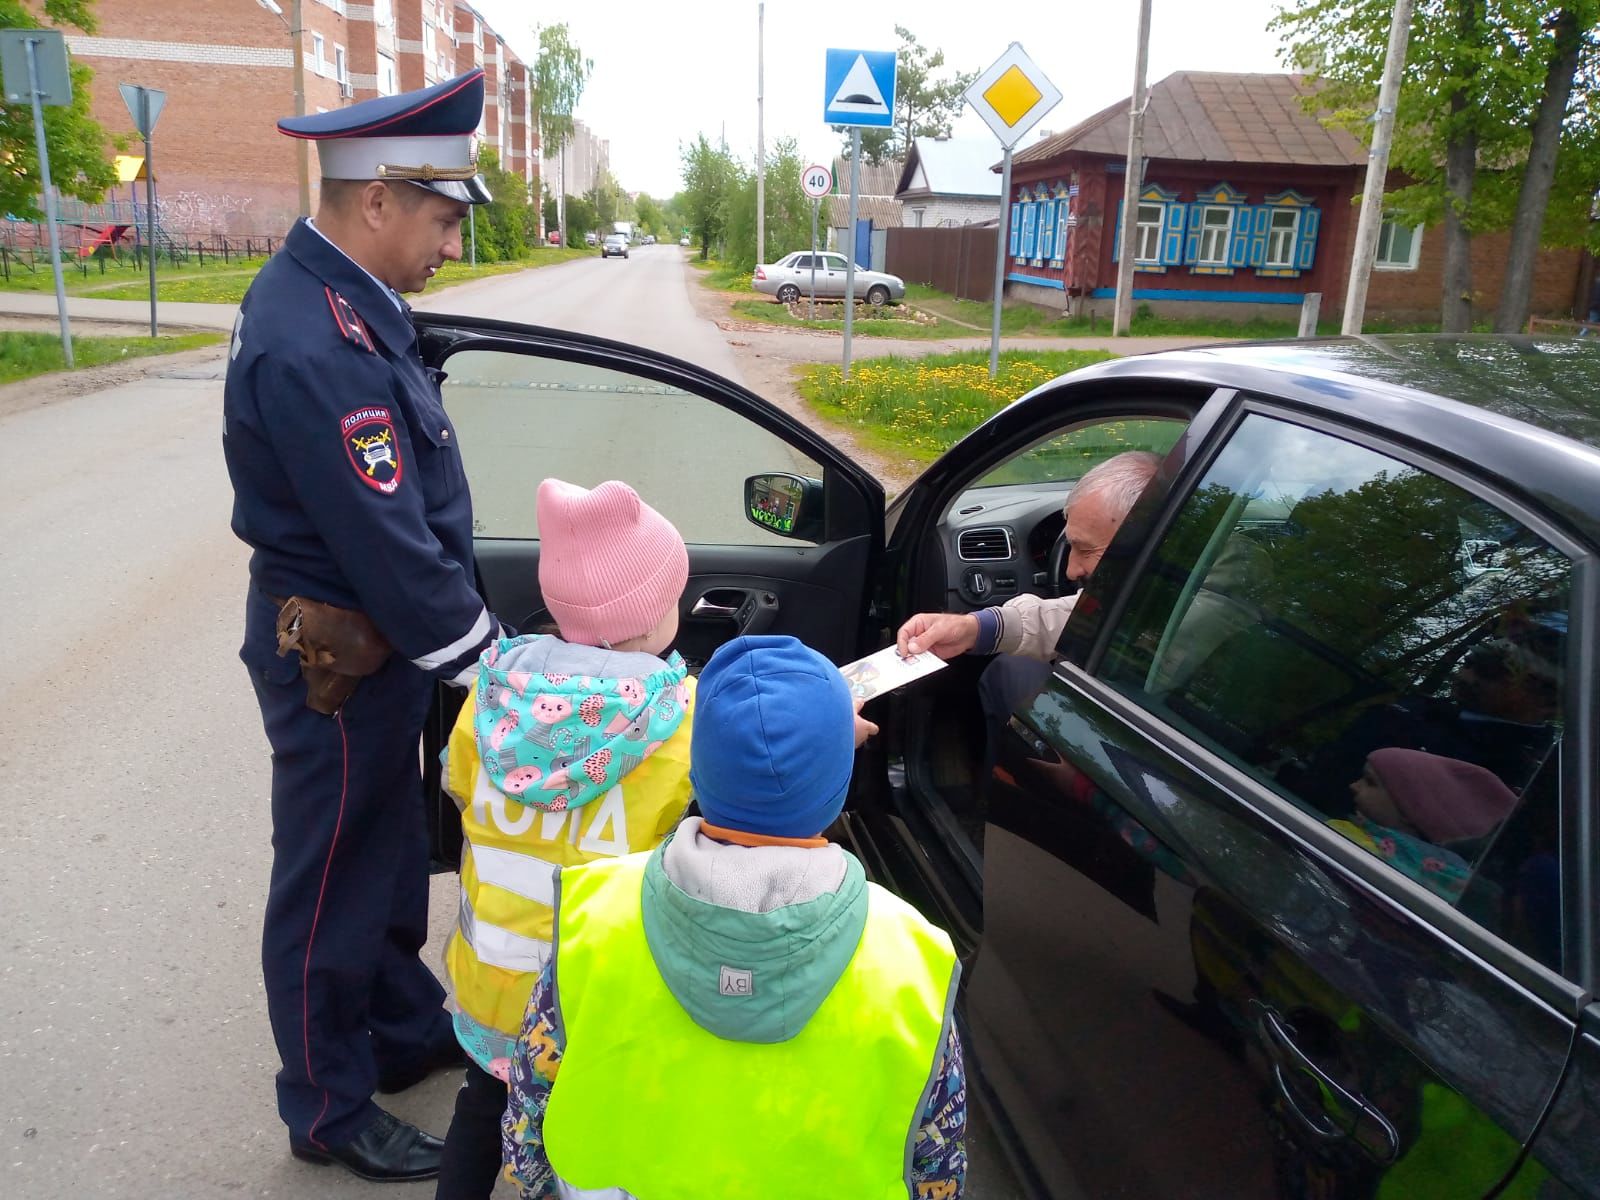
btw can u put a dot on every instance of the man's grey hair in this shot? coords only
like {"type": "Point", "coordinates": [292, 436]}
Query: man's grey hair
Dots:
{"type": "Point", "coordinates": [1120, 480]}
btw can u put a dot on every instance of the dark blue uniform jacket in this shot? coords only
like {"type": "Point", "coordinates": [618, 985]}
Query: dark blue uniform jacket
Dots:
{"type": "Point", "coordinates": [348, 484]}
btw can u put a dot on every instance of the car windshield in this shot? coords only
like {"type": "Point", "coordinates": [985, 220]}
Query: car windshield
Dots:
{"type": "Point", "coordinates": [1068, 455]}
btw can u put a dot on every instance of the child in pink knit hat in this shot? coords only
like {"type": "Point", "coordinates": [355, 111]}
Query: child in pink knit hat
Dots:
{"type": "Point", "coordinates": [573, 747]}
{"type": "Point", "coordinates": [1412, 805]}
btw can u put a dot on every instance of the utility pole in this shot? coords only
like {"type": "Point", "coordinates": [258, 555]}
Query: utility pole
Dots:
{"type": "Point", "coordinates": [302, 152]}
{"type": "Point", "coordinates": [761, 145]}
{"type": "Point", "coordinates": [1133, 183]}
{"type": "Point", "coordinates": [1370, 223]}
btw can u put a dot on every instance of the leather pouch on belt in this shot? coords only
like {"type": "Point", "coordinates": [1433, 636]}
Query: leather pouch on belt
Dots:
{"type": "Point", "coordinates": [337, 648]}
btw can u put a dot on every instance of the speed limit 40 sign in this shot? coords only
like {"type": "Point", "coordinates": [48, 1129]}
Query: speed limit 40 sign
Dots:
{"type": "Point", "coordinates": [817, 181]}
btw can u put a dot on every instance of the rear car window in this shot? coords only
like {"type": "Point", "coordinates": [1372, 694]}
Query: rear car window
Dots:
{"type": "Point", "coordinates": [1383, 648]}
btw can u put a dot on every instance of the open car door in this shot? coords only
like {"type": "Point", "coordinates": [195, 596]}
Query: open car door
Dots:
{"type": "Point", "coordinates": [783, 531]}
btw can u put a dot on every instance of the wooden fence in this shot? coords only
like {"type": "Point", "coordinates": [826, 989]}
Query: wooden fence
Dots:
{"type": "Point", "coordinates": [956, 260]}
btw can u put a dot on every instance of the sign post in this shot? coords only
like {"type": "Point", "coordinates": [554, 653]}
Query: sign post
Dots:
{"type": "Point", "coordinates": [816, 181]}
{"type": "Point", "coordinates": [33, 66]}
{"type": "Point", "coordinates": [144, 106]}
{"type": "Point", "coordinates": [858, 92]}
{"type": "Point", "coordinates": [1011, 96]}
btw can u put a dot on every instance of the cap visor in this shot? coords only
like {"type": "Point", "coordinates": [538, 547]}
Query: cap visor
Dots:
{"type": "Point", "coordinates": [468, 191]}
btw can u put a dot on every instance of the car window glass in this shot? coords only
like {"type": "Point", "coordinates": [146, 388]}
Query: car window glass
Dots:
{"type": "Point", "coordinates": [1068, 455]}
{"type": "Point", "coordinates": [520, 418]}
{"type": "Point", "coordinates": [1378, 645]}
{"type": "Point", "coordinates": [801, 262]}
{"type": "Point", "coordinates": [834, 262]}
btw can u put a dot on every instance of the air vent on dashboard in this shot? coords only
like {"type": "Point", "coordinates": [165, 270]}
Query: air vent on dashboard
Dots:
{"type": "Point", "coordinates": [991, 544]}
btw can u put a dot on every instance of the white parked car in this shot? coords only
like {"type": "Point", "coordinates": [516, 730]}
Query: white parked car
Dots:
{"type": "Point", "coordinates": [790, 278]}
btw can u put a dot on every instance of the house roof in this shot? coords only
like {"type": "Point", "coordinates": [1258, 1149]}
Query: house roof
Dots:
{"type": "Point", "coordinates": [876, 180]}
{"type": "Point", "coordinates": [950, 167]}
{"type": "Point", "coordinates": [883, 211]}
{"type": "Point", "coordinates": [1201, 116]}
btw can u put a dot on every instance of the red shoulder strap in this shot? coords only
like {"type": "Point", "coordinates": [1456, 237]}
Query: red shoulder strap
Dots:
{"type": "Point", "coordinates": [349, 323]}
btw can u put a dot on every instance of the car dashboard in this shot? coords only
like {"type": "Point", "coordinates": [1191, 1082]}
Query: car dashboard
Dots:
{"type": "Point", "coordinates": [996, 542]}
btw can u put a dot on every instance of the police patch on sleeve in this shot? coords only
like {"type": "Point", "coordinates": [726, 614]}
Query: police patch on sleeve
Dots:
{"type": "Point", "coordinates": [373, 447]}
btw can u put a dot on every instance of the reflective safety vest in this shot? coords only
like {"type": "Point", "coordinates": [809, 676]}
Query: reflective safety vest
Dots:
{"type": "Point", "coordinates": [647, 1101]}
{"type": "Point", "coordinates": [512, 852]}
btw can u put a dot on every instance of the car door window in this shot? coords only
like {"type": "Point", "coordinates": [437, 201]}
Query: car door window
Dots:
{"type": "Point", "coordinates": [834, 262]}
{"type": "Point", "coordinates": [801, 263]}
{"type": "Point", "coordinates": [521, 418]}
{"type": "Point", "coordinates": [1380, 646]}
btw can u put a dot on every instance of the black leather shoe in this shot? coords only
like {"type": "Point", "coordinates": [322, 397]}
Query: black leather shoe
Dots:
{"type": "Point", "coordinates": [386, 1151]}
{"type": "Point", "coordinates": [446, 1054]}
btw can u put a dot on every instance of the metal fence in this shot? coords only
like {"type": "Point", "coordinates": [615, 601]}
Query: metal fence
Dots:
{"type": "Point", "coordinates": [958, 260]}
{"type": "Point", "coordinates": [25, 249]}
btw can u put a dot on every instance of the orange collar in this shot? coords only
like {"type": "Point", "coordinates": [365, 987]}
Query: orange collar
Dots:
{"type": "Point", "coordinates": [739, 837]}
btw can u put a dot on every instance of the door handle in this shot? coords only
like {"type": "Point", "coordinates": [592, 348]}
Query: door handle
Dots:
{"type": "Point", "coordinates": [706, 607]}
{"type": "Point", "coordinates": [1343, 1114]}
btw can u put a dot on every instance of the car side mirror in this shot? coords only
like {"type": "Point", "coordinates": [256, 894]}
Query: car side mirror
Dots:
{"type": "Point", "coordinates": [785, 504]}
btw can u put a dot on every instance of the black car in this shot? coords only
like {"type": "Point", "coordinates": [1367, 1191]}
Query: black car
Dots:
{"type": "Point", "coordinates": [1194, 967]}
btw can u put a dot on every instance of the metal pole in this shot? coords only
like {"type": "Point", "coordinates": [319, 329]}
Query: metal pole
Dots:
{"type": "Point", "coordinates": [761, 143]}
{"type": "Point", "coordinates": [850, 247]}
{"type": "Point", "coordinates": [1122, 312]}
{"type": "Point", "coordinates": [302, 162]}
{"type": "Point", "coordinates": [1370, 223]}
{"type": "Point", "coordinates": [1001, 249]}
{"type": "Point", "coordinates": [815, 205]}
{"type": "Point", "coordinates": [149, 205]}
{"type": "Point", "coordinates": [49, 198]}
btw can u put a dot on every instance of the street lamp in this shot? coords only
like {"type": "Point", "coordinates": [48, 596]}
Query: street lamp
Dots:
{"type": "Point", "coordinates": [296, 27]}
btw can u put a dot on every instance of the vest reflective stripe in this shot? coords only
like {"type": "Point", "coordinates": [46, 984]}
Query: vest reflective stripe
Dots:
{"type": "Point", "coordinates": [648, 1101]}
{"type": "Point", "coordinates": [512, 854]}
{"type": "Point", "coordinates": [501, 947]}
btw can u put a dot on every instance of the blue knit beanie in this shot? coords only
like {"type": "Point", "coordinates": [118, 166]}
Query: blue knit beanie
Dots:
{"type": "Point", "coordinates": [774, 738]}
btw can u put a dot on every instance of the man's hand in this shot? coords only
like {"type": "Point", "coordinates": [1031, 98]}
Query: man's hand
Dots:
{"type": "Point", "coordinates": [864, 727]}
{"type": "Point", "coordinates": [945, 634]}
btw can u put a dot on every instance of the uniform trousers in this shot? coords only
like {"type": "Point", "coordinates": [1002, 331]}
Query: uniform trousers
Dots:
{"type": "Point", "coordinates": [347, 913]}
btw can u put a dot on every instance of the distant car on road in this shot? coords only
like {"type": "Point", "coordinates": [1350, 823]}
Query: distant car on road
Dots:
{"type": "Point", "coordinates": [790, 278]}
{"type": "Point", "coordinates": [683, 241]}
{"type": "Point", "coordinates": [591, 238]}
{"type": "Point", "coordinates": [615, 243]}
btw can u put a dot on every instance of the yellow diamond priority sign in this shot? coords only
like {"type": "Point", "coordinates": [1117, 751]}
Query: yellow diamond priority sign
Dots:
{"type": "Point", "coordinates": [1012, 95]}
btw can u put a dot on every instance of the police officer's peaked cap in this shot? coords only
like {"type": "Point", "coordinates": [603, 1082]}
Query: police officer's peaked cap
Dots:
{"type": "Point", "coordinates": [424, 137]}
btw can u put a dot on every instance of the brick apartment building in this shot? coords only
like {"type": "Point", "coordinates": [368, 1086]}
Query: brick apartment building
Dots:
{"type": "Point", "coordinates": [227, 69]}
{"type": "Point", "coordinates": [586, 159]}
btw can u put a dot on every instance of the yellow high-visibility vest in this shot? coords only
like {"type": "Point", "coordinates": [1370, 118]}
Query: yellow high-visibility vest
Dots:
{"type": "Point", "coordinates": [648, 1101]}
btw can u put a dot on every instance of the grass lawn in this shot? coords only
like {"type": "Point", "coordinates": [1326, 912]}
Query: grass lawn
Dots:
{"type": "Point", "coordinates": [777, 314]}
{"type": "Point", "coordinates": [226, 283]}
{"type": "Point", "coordinates": [919, 407]}
{"type": "Point", "coordinates": [26, 354]}
{"type": "Point", "coordinates": [1020, 318]}
{"type": "Point", "coordinates": [724, 277]}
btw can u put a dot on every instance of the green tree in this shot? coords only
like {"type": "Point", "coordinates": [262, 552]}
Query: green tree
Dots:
{"type": "Point", "coordinates": [924, 105]}
{"type": "Point", "coordinates": [79, 165]}
{"type": "Point", "coordinates": [506, 224]}
{"type": "Point", "coordinates": [712, 179]}
{"type": "Point", "coordinates": [581, 220]}
{"type": "Point", "coordinates": [559, 74]}
{"type": "Point", "coordinates": [551, 211]}
{"type": "Point", "coordinates": [1476, 76]}
{"type": "Point", "coordinates": [788, 210]}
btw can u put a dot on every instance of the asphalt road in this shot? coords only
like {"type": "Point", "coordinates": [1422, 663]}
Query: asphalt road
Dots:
{"type": "Point", "coordinates": [134, 1043]}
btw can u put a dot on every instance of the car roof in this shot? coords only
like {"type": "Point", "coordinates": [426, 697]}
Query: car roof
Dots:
{"type": "Point", "coordinates": [1524, 408]}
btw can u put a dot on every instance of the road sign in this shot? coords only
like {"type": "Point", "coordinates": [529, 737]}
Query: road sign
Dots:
{"type": "Point", "coordinates": [858, 88]}
{"type": "Point", "coordinates": [1012, 95]}
{"type": "Point", "coordinates": [145, 115]}
{"type": "Point", "coordinates": [817, 181]}
{"type": "Point", "coordinates": [50, 56]}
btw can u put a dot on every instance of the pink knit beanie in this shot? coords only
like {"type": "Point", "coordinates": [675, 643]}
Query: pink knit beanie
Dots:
{"type": "Point", "coordinates": [610, 566]}
{"type": "Point", "coordinates": [1445, 798]}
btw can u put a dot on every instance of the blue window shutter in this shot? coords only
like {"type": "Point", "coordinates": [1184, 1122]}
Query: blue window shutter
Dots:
{"type": "Point", "coordinates": [1016, 228]}
{"type": "Point", "coordinates": [1261, 224]}
{"type": "Point", "coordinates": [1063, 210]}
{"type": "Point", "coordinates": [1191, 243]}
{"type": "Point", "coordinates": [1047, 229]}
{"type": "Point", "coordinates": [1172, 225]}
{"type": "Point", "coordinates": [1030, 229]}
{"type": "Point", "coordinates": [1116, 235]}
{"type": "Point", "coordinates": [1305, 242]}
{"type": "Point", "coordinates": [1239, 236]}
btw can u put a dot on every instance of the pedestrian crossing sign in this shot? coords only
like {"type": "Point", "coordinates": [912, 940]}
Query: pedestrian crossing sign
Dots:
{"type": "Point", "coordinates": [858, 88]}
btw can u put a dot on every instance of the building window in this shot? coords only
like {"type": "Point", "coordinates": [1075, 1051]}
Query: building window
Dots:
{"type": "Point", "coordinates": [1398, 246]}
{"type": "Point", "coordinates": [386, 81]}
{"type": "Point", "coordinates": [1147, 242]}
{"type": "Point", "coordinates": [383, 13]}
{"type": "Point", "coordinates": [916, 217]}
{"type": "Point", "coordinates": [318, 54]}
{"type": "Point", "coordinates": [341, 69]}
{"type": "Point", "coordinates": [1284, 223]}
{"type": "Point", "coordinates": [1215, 224]}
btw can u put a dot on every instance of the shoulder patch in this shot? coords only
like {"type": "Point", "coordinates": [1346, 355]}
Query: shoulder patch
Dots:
{"type": "Point", "coordinates": [350, 325]}
{"type": "Point", "coordinates": [373, 448]}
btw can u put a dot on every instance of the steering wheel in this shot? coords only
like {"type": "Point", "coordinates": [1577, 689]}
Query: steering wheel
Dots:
{"type": "Point", "coordinates": [1055, 569]}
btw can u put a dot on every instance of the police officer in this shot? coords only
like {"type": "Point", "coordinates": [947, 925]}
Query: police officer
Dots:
{"type": "Point", "coordinates": [349, 489]}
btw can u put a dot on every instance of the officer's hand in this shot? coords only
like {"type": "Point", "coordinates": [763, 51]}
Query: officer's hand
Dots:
{"type": "Point", "coordinates": [945, 634]}
{"type": "Point", "coordinates": [864, 727]}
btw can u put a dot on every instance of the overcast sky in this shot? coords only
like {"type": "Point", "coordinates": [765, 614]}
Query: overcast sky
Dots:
{"type": "Point", "coordinates": [664, 72]}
